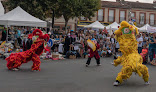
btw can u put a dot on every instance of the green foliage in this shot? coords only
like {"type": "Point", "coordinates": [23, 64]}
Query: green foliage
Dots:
{"type": "Point", "coordinates": [38, 8]}
{"type": "Point", "coordinates": [76, 8]}
{"type": "Point", "coordinates": [55, 8]}
{"type": "Point", "coordinates": [89, 7]}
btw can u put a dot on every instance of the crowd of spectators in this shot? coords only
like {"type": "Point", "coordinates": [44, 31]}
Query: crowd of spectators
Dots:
{"type": "Point", "coordinates": [64, 42]}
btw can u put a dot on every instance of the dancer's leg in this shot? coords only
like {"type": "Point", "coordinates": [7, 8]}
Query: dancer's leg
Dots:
{"type": "Point", "coordinates": [125, 73]}
{"type": "Point", "coordinates": [88, 61]}
{"type": "Point", "coordinates": [36, 62]}
{"type": "Point", "coordinates": [144, 71]}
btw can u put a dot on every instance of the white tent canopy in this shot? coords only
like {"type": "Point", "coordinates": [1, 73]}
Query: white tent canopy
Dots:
{"type": "Point", "coordinates": [113, 26]}
{"type": "Point", "coordinates": [1, 9]}
{"type": "Point", "coordinates": [19, 17]}
{"type": "Point", "coordinates": [144, 28]}
{"type": "Point", "coordinates": [151, 29]}
{"type": "Point", "coordinates": [96, 24]}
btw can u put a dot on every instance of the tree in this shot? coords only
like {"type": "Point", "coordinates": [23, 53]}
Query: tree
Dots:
{"type": "Point", "coordinates": [36, 8]}
{"type": "Point", "coordinates": [39, 8]}
{"type": "Point", "coordinates": [52, 7]}
{"type": "Point", "coordinates": [89, 7]}
{"type": "Point", "coordinates": [56, 8]}
{"type": "Point", "coordinates": [76, 8]}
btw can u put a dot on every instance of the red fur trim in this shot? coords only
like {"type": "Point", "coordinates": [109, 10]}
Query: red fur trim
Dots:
{"type": "Point", "coordinates": [30, 36]}
{"type": "Point", "coordinates": [37, 32]}
{"type": "Point", "coordinates": [46, 36]}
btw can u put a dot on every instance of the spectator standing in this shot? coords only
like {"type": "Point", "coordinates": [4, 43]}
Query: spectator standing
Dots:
{"type": "Point", "coordinates": [68, 41]}
{"type": "Point", "coordinates": [108, 37]}
{"type": "Point", "coordinates": [152, 46]}
{"type": "Point", "coordinates": [95, 34]}
{"type": "Point", "coordinates": [101, 43]}
{"type": "Point", "coordinates": [18, 36]}
{"type": "Point", "coordinates": [57, 41]}
{"type": "Point", "coordinates": [82, 36]}
{"type": "Point", "coordinates": [145, 39]}
{"type": "Point", "coordinates": [117, 46]}
{"type": "Point", "coordinates": [4, 34]}
{"type": "Point", "coordinates": [105, 30]}
{"type": "Point", "coordinates": [15, 39]}
{"type": "Point", "coordinates": [140, 40]}
{"type": "Point", "coordinates": [107, 42]}
{"type": "Point", "coordinates": [64, 34]}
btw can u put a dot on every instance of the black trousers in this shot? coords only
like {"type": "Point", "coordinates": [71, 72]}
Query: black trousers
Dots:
{"type": "Point", "coordinates": [19, 41]}
{"type": "Point", "coordinates": [89, 59]}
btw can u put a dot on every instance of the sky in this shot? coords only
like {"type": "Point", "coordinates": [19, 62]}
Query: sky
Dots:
{"type": "Point", "coordinates": [145, 1]}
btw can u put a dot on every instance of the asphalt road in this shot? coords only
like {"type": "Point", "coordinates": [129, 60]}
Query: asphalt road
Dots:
{"type": "Point", "coordinates": [71, 76]}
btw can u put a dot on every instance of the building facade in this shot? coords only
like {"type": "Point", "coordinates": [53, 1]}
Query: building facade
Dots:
{"type": "Point", "coordinates": [118, 11]}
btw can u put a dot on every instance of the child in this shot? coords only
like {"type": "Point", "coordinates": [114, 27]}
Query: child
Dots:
{"type": "Point", "coordinates": [99, 52]}
{"type": "Point", "coordinates": [144, 54]}
{"type": "Point", "coordinates": [21, 49]}
{"type": "Point", "coordinates": [109, 50]}
{"type": "Point", "coordinates": [93, 54]}
{"type": "Point", "coordinates": [104, 52]}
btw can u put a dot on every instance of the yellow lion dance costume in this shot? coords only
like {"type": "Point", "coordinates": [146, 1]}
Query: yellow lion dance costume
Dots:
{"type": "Point", "coordinates": [130, 59]}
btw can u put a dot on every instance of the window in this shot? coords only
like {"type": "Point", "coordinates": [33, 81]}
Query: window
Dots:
{"type": "Point", "coordinates": [152, 19]}
{"type": "Point", "coordinates": [100, 15]}
{"type": "Point", "coordinates": [133, 15]}
{"type": "Point", "coordinates": [83, 18]}
{"type": "Point", "coordinates": [142, 18]}
{"type": "Point", "coordinates": [111, 15]}
{"type": "Point", "coordinates": [122, 16]}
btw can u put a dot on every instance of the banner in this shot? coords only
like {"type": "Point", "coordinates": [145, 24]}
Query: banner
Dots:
{"type": "Point", "coordinates": [151, 29]}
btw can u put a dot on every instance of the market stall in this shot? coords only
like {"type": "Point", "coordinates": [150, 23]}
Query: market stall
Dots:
{"type": "Point", "coordinates": [96, 24]}
{"type": "Point", "coordinates": [144, 28]}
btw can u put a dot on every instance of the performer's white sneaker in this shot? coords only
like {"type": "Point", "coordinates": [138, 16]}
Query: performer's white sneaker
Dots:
{"type": "Point", "coordinates": [98, 64]}
{"type": "Point", "coordinates": [116, 83]}
{"type": "Point", "coordinates": [15, 69]}
{"type": "Point", "coordinates": [147, 83]}
{"type": "Point", "coordinates": [112, 63]}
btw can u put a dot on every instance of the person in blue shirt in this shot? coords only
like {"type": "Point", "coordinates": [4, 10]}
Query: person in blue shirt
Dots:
{"type": "Point", "coordinates": [18, 36]}
{"type": "Point", "coordinates": [57, 38]}
{"type": "Point", "coordinates": [152, 46]}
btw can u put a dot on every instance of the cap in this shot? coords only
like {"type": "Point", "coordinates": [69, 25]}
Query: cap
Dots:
{"type": "Point", "coordinates": [93, 39]}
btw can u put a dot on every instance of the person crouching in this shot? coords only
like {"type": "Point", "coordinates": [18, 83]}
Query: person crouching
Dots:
{"type": "Point", "coordinates": [93, 54]}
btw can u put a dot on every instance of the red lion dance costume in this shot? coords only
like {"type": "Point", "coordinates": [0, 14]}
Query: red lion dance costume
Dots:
{"type": "Point", "coordinates": [15, 60]}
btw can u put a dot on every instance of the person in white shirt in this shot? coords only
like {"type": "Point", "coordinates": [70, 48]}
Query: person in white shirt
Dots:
{"type": "Point", "coordinates": [140, 41]}
{"type": "Point", "coordinates": [108, 37]}
{"type": "Point", "coordinates": [117, 52]}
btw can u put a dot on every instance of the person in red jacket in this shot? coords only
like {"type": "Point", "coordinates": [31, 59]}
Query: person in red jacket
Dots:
{"type": "Point", "coordinates": [93, 54]}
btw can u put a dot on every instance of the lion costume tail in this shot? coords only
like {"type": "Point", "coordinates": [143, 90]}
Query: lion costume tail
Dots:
{"type": "Point", "coordinates": [13, 61]}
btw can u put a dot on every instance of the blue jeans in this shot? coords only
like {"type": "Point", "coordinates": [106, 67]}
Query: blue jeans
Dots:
{"type": "Point", "coordinates": [139, 50]}
{"type": "Point", "coordinates": [152, 51]}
